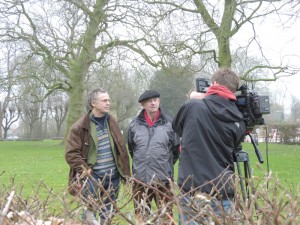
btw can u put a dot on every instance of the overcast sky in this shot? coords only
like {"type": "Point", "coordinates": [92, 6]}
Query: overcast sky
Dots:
{"type": "Point", "coordinates": [279, 45]}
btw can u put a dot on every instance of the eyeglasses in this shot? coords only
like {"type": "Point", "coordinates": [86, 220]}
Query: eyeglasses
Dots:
{"type": "Point", "coordinates": [105, 100]}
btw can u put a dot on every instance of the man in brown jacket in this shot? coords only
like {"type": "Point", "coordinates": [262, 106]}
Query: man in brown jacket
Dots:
{"type": "Point", "coordinates": [98, 158]}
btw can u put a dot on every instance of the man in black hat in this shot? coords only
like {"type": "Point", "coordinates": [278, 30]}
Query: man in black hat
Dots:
{"type": "Point", "coordinates": [154, 148]}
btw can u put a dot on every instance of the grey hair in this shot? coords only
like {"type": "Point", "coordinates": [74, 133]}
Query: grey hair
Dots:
{"type": "Point", "coordinates": [93, 95]}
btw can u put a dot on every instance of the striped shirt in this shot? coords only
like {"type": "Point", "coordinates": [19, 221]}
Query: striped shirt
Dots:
{"type": "Point", "coordinates": [105, 163]}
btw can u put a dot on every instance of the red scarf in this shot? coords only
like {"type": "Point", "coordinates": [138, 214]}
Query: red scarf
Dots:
{"type": "Point", "coordinates": [148, 119]}
{"type": "Point", "coordinates": [221, 91]}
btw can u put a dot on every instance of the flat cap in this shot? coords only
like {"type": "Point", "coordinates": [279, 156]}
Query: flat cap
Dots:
{"type": "Point", "coordinates": [148, 94]}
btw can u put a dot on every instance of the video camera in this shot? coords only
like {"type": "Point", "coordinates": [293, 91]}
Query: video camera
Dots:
{"type": "Point", "coordinates": [251, 105]}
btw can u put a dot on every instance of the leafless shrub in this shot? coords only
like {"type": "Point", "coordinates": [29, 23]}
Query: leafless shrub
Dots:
{"type": "Point", "coordinates": [267, 202]}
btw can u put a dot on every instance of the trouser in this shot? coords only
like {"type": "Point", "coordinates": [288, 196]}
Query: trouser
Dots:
{"type": "Point", "coordinates": [190, 207]}
{"type": "Point", "coordinates": [143, 196]}
{"type": "Point", "coordinates": [97, 200]}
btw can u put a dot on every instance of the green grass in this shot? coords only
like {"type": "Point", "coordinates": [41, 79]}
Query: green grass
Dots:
{"type": "Point", "coordinates": [282, 160]}
{"type": "Point", "coordinates": [29, 163]}
{"type": "Point", "coordinates": [32, 161]}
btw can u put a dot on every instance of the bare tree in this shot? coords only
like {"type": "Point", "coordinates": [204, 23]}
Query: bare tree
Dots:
{"type": "Point", "coordinates": [295, 110]}
{"type": "Point", "coordinates": [11, 115]}
{"type": "Point", "coordinates": [32, 113]}
{"type": "Point", "coordinates": [58, 110]}
{"type": "Point", "coordinates": [9, 112]}
{"type": "Point", "coordinates": [215, 23]}
{"type": "Point", "coordinates": [33, 110]}
{"type": "Point", "coordinates": [70, 36]}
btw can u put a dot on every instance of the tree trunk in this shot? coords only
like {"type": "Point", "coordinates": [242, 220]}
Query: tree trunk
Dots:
{"type": "Point", "coordinates": [76, 105]}
{"type": "Point", "coordinates": [1, 118]}
{"type": "Point", "coordinates": [80, 66]}
{"type": "Point", "coordinates": [224, 52]}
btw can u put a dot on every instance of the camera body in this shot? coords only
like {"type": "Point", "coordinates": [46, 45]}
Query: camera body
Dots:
{"type": "Point", "coordinates": [202, 84]}
{"type": "Point", "coordinates": [251, 105]}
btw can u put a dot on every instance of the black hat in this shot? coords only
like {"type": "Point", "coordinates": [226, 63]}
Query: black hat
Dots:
{"type": "Point", "coordinates": [148, 94]}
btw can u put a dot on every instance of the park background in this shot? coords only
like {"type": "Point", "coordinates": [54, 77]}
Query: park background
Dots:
{"type": "Point", "coordinates": [54, 52]}
{"type": "Point", "coordinates": [52, 55]}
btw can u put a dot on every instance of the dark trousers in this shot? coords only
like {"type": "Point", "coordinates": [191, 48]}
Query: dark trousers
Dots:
{"type": "Point", "coordinates": [96, 199]}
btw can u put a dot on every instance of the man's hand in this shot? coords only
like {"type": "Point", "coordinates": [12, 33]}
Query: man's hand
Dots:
{"type": "Point", "coordinates": [86, 172]}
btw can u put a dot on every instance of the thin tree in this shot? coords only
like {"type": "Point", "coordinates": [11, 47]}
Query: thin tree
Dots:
{"type": "Point", "coordinates": [58, 110]}
{"type": "Point", "coordinates": [295, 110]}
{"type": "Point", "coordinates": [9, 111]}
{"type": "Point", "coordinates": [11, 116]}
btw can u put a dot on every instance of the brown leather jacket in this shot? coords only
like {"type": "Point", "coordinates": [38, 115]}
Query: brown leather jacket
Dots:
{"type": "Point", "coordinates": [78, 146]}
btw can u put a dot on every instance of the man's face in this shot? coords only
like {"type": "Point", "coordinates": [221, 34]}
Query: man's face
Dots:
{"type": "Point", "coordinates": [101, 104]}
{"type": "Point", "coordinates": [151, 104]}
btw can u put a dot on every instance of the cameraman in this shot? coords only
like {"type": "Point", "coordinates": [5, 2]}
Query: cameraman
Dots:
{"type": "Point", "coordinates": [210, 128]}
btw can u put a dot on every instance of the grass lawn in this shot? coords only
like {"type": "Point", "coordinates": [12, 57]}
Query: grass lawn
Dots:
{"type": "Point", "coordinates": [29, 162]}
{"type": "Point", "coordinates": [281, 160]}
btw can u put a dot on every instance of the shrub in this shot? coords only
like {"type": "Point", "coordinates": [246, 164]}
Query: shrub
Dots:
{"type": "Point", "coordinates": [266, 202]}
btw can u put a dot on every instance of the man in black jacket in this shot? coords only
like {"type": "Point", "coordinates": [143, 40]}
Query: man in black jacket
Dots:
{"type": "Point", "coordinates": [210, 128]}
